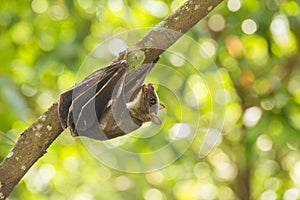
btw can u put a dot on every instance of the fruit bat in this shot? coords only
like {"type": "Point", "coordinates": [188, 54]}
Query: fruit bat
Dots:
{"type": "Point", "coordinates": [110, 102]}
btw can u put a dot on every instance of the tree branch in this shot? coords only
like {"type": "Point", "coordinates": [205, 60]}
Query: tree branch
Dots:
{"type": "Point", "coordinates": [34, 141]}
{"type": "Point", "coordinates": [31, 145]}
{"type": "Point", "coordinates": [173, 27]}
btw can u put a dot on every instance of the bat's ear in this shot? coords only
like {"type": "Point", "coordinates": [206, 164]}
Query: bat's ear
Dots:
{"type": "Point", "coordinates": [154, 118]}
{"type": "Point", "coordinates": [161, 106]}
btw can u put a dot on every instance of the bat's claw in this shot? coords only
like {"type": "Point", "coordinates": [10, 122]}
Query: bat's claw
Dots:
{"type": "Point", "coordinates": [125, 58]}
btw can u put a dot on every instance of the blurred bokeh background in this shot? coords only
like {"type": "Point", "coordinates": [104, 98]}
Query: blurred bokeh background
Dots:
{"type": "Point", "coordinates": [255, 46]}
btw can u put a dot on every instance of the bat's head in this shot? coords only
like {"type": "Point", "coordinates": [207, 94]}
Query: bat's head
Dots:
{"type": "Point", "coordinates": [145, 104]}
{"type": "Point", "coordinates": [150, 102]}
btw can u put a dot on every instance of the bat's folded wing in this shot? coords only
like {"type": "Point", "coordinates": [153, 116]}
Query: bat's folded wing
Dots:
{"type": "Point", "coordinates": [96, 107]}
{"type": "Point", "coordinates": [93, 110]}
{"type": "Point", "coordinates": [82, 92]}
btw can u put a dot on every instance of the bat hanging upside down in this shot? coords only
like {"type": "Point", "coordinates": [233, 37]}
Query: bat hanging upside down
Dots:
{"type": "Point", "coordinates": [110, 102]}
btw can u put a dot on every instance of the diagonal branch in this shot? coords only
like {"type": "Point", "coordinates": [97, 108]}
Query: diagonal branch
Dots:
{"type": "Point", "coordinates": [31, 145]}
{"type": "Point", "coordinates": [34, 141]}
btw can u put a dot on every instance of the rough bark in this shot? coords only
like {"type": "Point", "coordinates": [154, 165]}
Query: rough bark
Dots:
{"type": "Point", "coordinates": [31, 145]}
{"type": "Point", "coordinates": [172, 28]}
{"type": "Point", "coordinates": [34, 141]}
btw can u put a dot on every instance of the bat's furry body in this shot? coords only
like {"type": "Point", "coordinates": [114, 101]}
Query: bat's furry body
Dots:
{"type": "Point", "coordinates": [110, 102]}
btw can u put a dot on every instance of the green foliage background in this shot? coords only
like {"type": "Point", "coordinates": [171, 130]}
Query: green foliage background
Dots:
{"type": "Point", "coordinates": [255, 44]}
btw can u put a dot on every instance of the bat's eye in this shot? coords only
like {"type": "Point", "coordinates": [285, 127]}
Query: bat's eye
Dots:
{"type": "Point", "coordinates": [152, 101]}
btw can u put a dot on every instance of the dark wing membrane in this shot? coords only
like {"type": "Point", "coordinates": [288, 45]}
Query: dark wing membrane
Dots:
{"type": "Point", "coordinates": [90, 83]}
{"type": "Point", "coordinates": [86, 121]}
{"type": "Point", "coordinates": [135, 78]}
{"type": "Point", "coordinates": [65, 100]}
{"type": "Point", "coordinates": [83, 94]}
{"type": "Point", "coordinates": [93, 79]}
